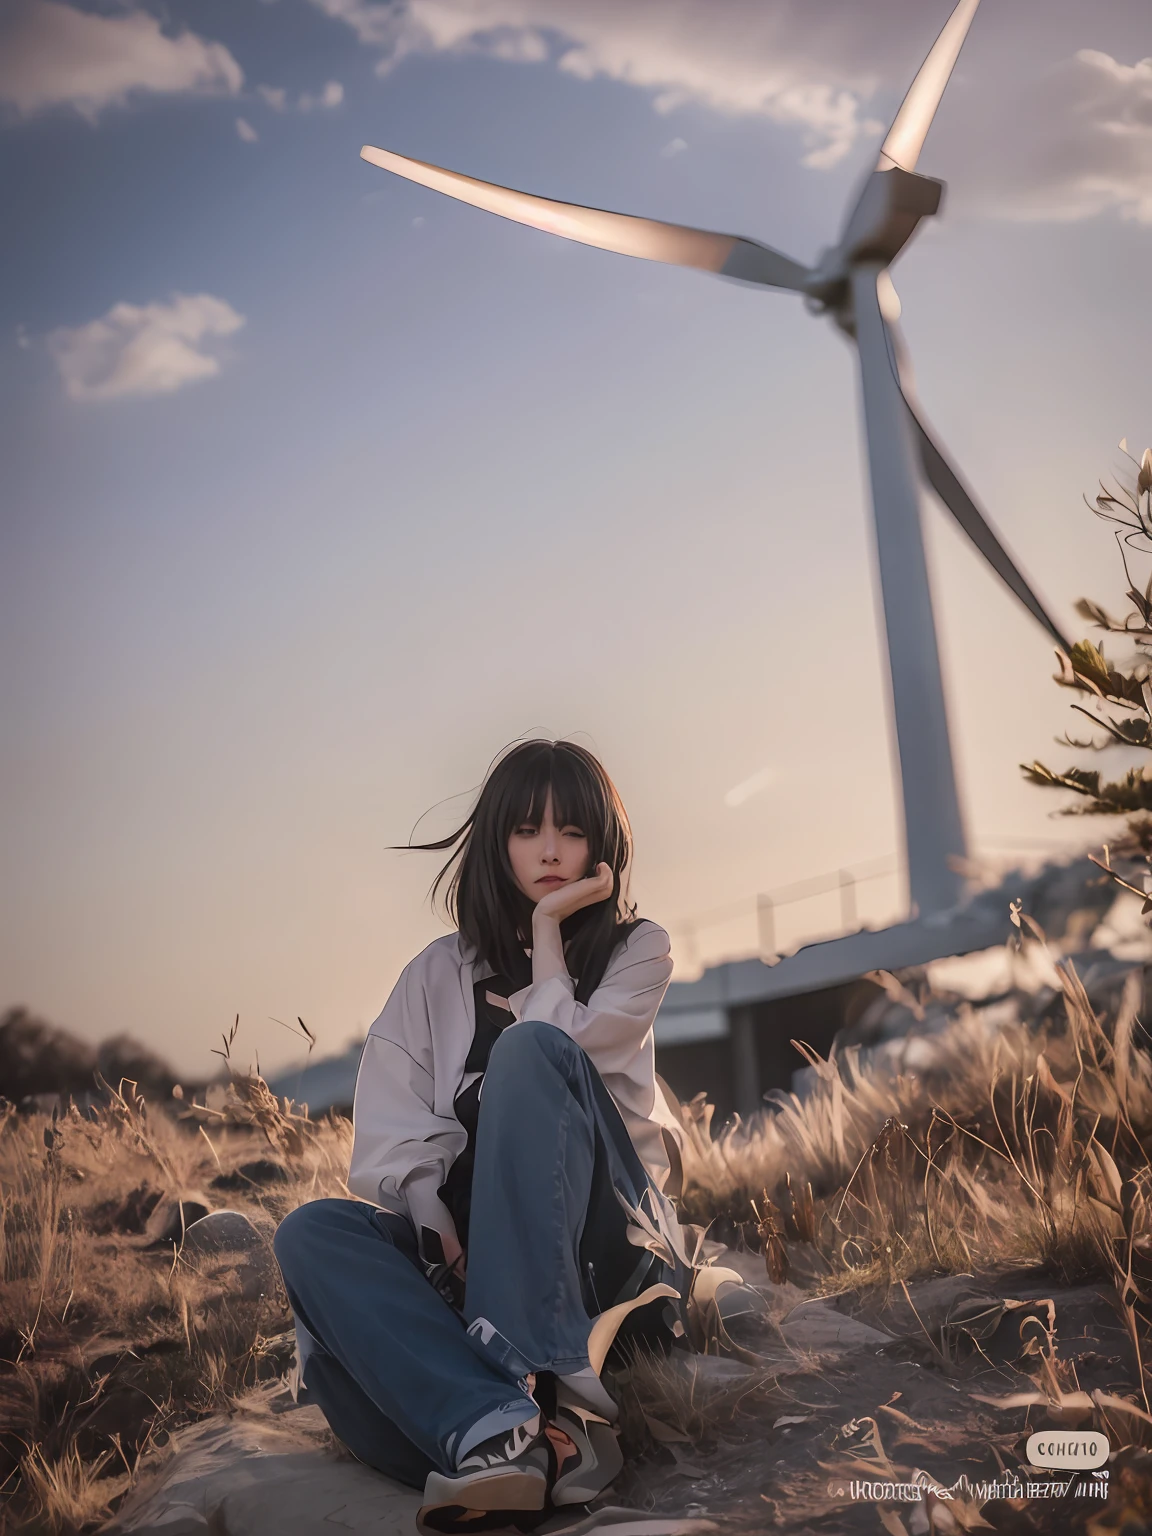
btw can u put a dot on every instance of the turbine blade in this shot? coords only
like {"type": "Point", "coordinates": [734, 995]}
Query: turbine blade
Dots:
{"type": "Point", "coordinates": [727, 255]}
{"type": "Point", "coordinates": [952, 491]}
{"type": "Point", "coordinates": [958, 499]}
{"type": "Point", "coordinates": [911, 124]}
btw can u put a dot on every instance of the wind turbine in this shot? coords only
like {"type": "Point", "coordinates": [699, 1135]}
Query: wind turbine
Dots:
{"type": "Point", "coordinates": [851, 284]}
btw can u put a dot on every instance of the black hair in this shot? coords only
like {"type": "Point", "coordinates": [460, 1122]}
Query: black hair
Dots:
{"type": "Point", "coordinates": [484, 901]}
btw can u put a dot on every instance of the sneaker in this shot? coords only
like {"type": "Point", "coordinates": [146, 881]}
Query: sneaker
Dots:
{"type": "Point", "coordinates": [586, 1390]}
{"type": "Point", "coordinates": [507, 1473]}
{"type": "Point", "coordinates": [589, 1459]}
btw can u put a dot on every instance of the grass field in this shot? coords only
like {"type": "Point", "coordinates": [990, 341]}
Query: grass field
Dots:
{"type": "Point", "coordinates": [1018, 1145]}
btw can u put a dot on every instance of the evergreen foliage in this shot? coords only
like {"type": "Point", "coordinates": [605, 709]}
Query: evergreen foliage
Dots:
{"type": "Point", "coordinates": [1119, 699]}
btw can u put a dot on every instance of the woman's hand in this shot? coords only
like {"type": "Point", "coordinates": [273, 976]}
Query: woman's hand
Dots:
{"type": "Point", "coordinates": [453, 1253]}
{"type": "Point", "coordinates": [567, 899]}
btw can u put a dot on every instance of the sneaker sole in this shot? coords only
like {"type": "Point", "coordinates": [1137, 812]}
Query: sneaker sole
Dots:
{"type": "Point", "coordinates": [502, 1488]}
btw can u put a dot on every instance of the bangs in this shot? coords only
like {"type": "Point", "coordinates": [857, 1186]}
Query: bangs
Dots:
{"type": "Point", "coordinates": [493, 914]}
{"type": "Point", "coordinates": [578, 799]}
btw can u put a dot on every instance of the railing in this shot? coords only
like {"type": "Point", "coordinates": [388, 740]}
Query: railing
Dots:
{"type": "Point", "coordinates": [845, 881]}
{"type": "Point", "coordinates": [762, 912]}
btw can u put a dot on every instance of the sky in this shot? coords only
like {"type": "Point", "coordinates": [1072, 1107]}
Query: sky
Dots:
{"type": "Point", "coordinates": [317, 489]}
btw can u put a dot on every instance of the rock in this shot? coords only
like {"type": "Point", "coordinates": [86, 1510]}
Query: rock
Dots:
{"type": "Point", "coordinates": [255, 1475]}
{"type": "Point", "coordinates": [171, 1219]}
{"type": "Point", "coordinates": [230, 1240]}
{"type": "Point", "coordinates": [946, 1310]}
{"type": "Point", "coordinates": [124, 1213]}
{"type": "Point", "coordinates": [261, 1473]}
{"type": "Point", "coordinates": [123, 1415]}
{"type": "Point", "coordinates": [816, 1326]}
{"type": "Point", "coordinates": [261, 1172]}
{"type": "Point", "coordinates": [222, 1232]}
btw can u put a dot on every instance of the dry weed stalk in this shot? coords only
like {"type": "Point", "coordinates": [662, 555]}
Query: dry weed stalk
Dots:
{"type": "Point", "coordinates": [248, 1101]}
{"type": "Point", "coordinates": [67, 1493]}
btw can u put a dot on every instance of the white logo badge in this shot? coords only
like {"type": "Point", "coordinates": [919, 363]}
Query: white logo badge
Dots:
{"type": "Point", "coordinates": [1062, 1448]}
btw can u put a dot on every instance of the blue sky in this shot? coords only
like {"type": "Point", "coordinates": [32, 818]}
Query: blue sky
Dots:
{"type": "Point", "coordinates": [319, 488]}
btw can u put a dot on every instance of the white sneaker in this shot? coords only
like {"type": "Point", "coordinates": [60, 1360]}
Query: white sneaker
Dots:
{"type": "Point", "coordinates": [508, 1472]}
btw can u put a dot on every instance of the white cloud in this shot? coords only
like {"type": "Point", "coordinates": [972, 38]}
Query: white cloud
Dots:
{"type": "Point", "coordinates": [1077, 142]}
{"type": "Point", "coordinates": [142, 349]}
{"type": "Point", "coordinates": [331, 96]}
{"type": "Point", "coordinates": [673, 148]}
{"type": "Point", "coordinates": [246, 131]}
{"type": "Point", "coordinates": [275, 95]}
{"type": "Point", "coordinates": [54, 55]}
{"type": "Point", "coordinates": [1036, 141]}
{"type": "Point", "coordinates": [733, 56]}
{"type": "Point", "coordinates": [308, 101]}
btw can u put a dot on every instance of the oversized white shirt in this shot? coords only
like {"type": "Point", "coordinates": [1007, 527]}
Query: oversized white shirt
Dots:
{"type": "Point", "coordinates": [406, 1132]}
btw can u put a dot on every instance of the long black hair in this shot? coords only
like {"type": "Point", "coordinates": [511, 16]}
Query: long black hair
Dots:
{"type": "Point", "coordinates": [484, 901]}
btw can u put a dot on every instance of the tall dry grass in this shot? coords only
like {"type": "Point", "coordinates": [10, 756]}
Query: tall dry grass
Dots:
{"type": "Point", "coordinates": [1024, 1145]}
{"type": "Point", "coordinates": [107, 1340]}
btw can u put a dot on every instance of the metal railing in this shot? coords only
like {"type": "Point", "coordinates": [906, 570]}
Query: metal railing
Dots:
{"type": "Point", "coordinates": [767, 905]}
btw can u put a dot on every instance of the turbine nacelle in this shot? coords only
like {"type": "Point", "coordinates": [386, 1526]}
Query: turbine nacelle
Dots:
{"type": "Point", "coordinates": [890, 206]}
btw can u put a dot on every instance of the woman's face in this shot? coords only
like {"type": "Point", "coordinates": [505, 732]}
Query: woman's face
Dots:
{"type": "Point", "coordinates": [546, 857]}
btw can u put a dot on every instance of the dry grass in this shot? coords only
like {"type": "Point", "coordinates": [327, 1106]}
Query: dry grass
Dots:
{"type": "Point", "coordinates": [1025, 1145]}
{"type": "Point", "coordinates": [108, 1342]}
{"type": "Point", "coordinates": [1026, 1148]}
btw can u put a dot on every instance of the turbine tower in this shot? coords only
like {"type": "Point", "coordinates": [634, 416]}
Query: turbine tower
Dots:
{"type": "Point", "coordinates": [851, 284]}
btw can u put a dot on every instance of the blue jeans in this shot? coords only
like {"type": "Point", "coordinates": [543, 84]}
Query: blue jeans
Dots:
{"type": "Point", "coordinates": [405, 1381]}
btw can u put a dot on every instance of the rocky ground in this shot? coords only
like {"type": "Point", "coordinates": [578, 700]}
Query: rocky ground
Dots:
{"type": "Point", "coordinates": [848, 1390]}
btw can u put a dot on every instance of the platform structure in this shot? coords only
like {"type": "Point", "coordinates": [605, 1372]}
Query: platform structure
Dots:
{"type": "Point", "coordinates": [724, 1009]}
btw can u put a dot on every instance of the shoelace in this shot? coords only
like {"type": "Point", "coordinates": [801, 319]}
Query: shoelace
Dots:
{"type": "Point", "coordinates": [517, 1442]}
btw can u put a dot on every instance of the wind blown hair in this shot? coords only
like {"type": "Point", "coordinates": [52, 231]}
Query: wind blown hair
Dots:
{"type": "Point", "coordinates": [482, 897]}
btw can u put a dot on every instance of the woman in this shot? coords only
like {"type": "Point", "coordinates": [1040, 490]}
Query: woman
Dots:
{"type": "Point", "coordinates": [506, 1108]}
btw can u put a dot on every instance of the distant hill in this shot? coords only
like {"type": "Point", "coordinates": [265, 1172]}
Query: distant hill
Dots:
{"type": "Point", "coordinates": [325, 1084]}
{"type": "Point", "coordinates": [40, 1059]}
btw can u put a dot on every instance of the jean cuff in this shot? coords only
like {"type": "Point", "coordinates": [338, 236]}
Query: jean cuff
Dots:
{"type": "Point", "coordinates": [506, 1416]}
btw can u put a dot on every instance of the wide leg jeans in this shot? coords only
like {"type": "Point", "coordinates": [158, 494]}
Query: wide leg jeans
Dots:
{"type": "Point", "coordinates": [407, 1382]}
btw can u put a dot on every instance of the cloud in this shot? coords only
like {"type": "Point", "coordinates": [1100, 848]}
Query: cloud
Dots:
{"type": "Point", "coordinates": [331, 96]}
{"type": "Point", "coordinates": [733, 56]}
{"type": "Point", "coordinates": [1038, 140]}
{"type": "Point", "coordinates": [308, 101]}
{"type": "Point", "coordinates": [1075, 143]}
{"type": "Point", "coordinates": [673, 148]}
{"type": "Point", "coordinates": [142, 349]}
{"type": "Point", "coordinates": [53, 55]}
{"type": "Point", "coordinates": [246, 131]}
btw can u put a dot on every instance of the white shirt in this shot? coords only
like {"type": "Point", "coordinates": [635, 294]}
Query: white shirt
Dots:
{"type": "Point", "coordinates": [406, 1132]}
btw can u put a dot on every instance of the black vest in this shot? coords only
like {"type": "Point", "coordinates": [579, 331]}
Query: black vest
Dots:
{"type": "Point", "coordinates": [456, 1191]}
{"type": "Point", "coordinates": [491, 1019]}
